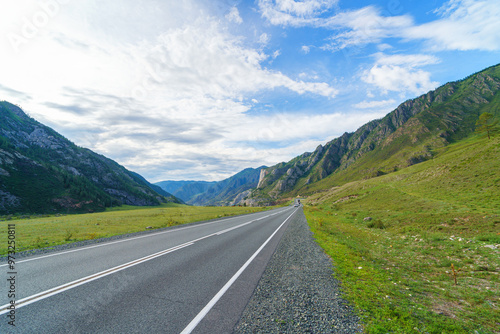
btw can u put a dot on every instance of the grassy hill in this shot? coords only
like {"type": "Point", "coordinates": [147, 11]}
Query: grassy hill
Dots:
{"type": "Point", "coordinates": [397, 239]}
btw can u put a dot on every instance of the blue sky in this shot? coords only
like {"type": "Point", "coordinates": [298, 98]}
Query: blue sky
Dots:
{"type": "Point", "coordinates": [201, 89]}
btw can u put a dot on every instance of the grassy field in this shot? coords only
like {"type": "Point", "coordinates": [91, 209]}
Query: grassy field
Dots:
{"type": "Point", "coordinates": [56, 230]}
{"type": "Point", "coordinates": [400, 241]}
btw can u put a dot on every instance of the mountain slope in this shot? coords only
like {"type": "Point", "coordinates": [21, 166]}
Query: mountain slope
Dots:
{"type": "Point", "coordinates": [406, 136]}
{"type": "Point", "coordinates": [440, 213]}
{"type": "Point", "coordinates": [185, 190]}
{"type": "Point", "coordinates": [231, 190]}
{"type": "Point", "coordinates": [41, 171]}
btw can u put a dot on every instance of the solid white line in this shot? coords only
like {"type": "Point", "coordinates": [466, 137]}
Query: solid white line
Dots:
{"type": "Point", "coordinates": [192, 325]}
{"type": "Point", "coordinates": [235, 227]}
{"type": "Point", "coordinates": [129, 239]}
{"type": "Point", "coordinates": [45, 294]}
{"type": "Point", "coordinates": [53, 291]}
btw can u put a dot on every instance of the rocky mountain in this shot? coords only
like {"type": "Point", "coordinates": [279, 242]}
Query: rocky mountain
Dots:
{"type": "Point", "coordinates": [406, 136]}
{"type": "Point", "coordinates": [231, 191]}
{"type": "Point", "coordinates": [185, 190]}
{"type": "Point", "coordinates": [41, 172]}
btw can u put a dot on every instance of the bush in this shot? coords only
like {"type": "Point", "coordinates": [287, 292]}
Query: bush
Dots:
{"type": "Point", "coordinates": [376, 224]}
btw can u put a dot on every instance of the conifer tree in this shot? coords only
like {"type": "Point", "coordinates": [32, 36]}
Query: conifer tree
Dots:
{"type": "Point", "coordinates": [487, 124]}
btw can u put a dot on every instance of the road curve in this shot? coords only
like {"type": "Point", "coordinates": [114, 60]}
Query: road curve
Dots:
{"type": "Point", "coordinates": [196, 278]}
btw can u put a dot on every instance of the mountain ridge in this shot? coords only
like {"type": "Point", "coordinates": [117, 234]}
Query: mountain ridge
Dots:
{"type": "Point", "coordinates": [230, 191]}
{"type": "Point", "coordinates": [406, 136]}
{"type": "Point", "coordinates": [186, 189]}
{"type": "Point", "coordinates": [42, 172]}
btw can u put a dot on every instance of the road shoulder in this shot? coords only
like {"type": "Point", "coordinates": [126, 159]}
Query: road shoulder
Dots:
{"type": "Point", "coordinates": [297, 292]}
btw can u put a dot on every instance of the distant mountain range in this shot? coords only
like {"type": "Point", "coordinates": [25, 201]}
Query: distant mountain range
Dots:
{"type": "Point", "coordinates": [230, 191]}
{"type": "Point", "coordinates": [43, 172]}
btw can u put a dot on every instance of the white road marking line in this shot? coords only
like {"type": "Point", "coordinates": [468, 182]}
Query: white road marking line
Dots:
{"type": "Point", "coordinates": [128, 239]}
{"type": "Point", "coordinates": [45, 294]}
{"type": "Point", "coordinates": [192, 325]}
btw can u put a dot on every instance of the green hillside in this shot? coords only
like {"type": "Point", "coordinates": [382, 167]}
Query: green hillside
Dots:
{"type": "Point", "coordinates": [411, 134]}
{"type": "Point", "coordinates": [395, 241]}
{"type": "Point", "coordinates": [43, 172]}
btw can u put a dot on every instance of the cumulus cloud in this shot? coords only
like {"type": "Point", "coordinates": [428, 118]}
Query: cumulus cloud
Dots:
{"type": "Point", "coordinates": [157, 104]}
{"type": "Point", "coordinates": [203, 60]}
{"type": "Point", "coordinates": [400, 73]}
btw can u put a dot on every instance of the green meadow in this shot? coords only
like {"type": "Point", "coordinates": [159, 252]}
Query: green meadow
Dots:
{"type": "Point", "coordinates": [418, 250]}
{"type": "Point", "coordinates": [39, 232]}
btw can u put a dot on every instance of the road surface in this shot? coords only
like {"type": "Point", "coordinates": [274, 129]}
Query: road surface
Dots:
{"type": "Point", "coordinates": [197, 278]}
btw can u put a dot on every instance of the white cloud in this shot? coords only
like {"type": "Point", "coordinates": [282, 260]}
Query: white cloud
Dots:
{"type": "Point", "coordinates": [306, 49]}
{"type": "Point", "coordinates": [264, 38]}
{"type": "Point", "coordinates": [297, 127]}
{"type": "Point", "coordinates": [375, 104]}
{"type": "Point", "coordinates": [384, 46]}
{"type": "Point", "coordinates": [295, 13]}
{"type": "Point", "coordinates": [399, 79]}
{"type": "Point", "coordinates": [303, 8]}
{"type": "Point", "coordinates": [362, 26]}
{"type": "Point", "coordinates": [234, 16]}
{"type": "Point", "coordinates": [463, 25]}
{"type": "Point", "coordinates": [400, 73]}
{"type": "Point", "coordinates": [410, 60]}
{"type": "Point", "coordinates": [158, 104]}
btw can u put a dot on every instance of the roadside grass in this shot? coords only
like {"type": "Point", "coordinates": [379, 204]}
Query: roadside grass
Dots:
{"type": "Point", "coordinates": [42, 232]}
{"type": "Point", "coordinates": [430, 224]}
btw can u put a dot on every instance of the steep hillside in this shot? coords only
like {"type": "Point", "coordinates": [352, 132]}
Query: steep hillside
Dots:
{"type": "Point", "coordinates": [231, 190]}
{"type": "Point", "coordinates": [406, 136]}
{"type": "Point", "coordinates": [41, 171]}
{"type": "Point", "coordinates": [444, 215]}
{"type": "Point", "coordinates": [185, 190]}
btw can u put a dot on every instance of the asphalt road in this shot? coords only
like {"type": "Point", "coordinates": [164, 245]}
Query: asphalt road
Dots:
{"type": "Point", "coordinates": [196, 278]}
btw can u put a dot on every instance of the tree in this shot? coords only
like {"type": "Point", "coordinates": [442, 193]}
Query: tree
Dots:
{"type": "Point", "coordinates": [487, 124]}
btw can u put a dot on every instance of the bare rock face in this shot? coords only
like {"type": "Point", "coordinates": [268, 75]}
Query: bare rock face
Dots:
{"type": "Point", "coordinates": [263, 174]}
{"type": "Point", "coordinates": [8, 201]}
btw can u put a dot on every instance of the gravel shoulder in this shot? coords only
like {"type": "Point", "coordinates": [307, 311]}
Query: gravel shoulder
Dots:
{"type": "Point", "coordinates": [297, 292]}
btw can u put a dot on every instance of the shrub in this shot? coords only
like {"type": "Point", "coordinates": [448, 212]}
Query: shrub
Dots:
{"type": "Point", "coordinates": [376, 224]}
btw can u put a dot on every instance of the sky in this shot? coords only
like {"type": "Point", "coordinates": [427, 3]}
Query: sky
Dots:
{"type": "Point", "coordinates": [202, 89]}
